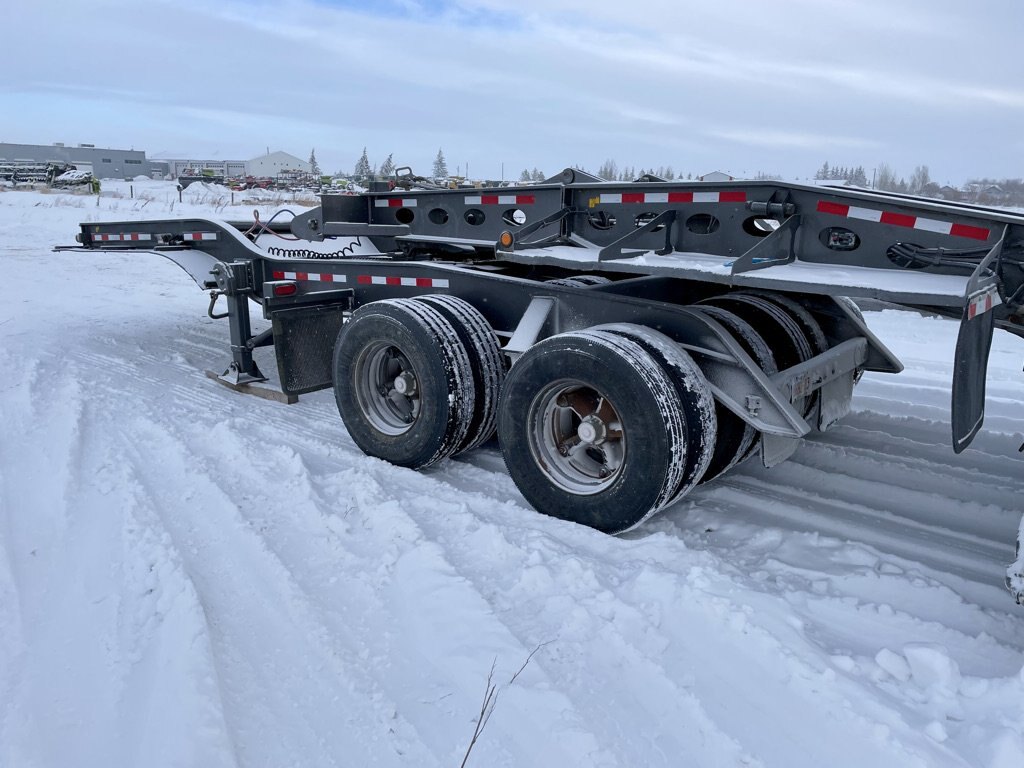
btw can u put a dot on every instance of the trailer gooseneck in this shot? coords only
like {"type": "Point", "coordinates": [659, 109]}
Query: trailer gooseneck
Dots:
{"type": "Point", "coordinates": [625, 341]}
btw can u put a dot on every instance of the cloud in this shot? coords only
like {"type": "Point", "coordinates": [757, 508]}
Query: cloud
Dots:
{"type": "Point", "coordinates": [544, 83]}
{"type": "Point", "coordinates": [779, 139]}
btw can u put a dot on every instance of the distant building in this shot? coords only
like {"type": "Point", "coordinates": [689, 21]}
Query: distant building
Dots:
{"type": "Point", "coordinates": [716, 176]}
{"type": "Point", "coordinates": [103, 163]}
{"type": "Point", "coordinates": [273, 164]}
{"type": "Point", "coordinates": [193, 167]}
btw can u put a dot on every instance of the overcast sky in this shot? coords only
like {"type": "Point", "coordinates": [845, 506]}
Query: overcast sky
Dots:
{"type": "Point", "coordinates": [778, 87]}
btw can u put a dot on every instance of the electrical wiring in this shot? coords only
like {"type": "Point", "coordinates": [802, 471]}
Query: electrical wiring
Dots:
{"type": "Point", "coordinates": [259, 227]}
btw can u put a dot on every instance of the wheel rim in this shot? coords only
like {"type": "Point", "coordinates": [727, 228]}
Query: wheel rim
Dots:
{"type": "Point", "coordinates": [386, 388]}
{"type": "Point", "coordinates": [576, 437]}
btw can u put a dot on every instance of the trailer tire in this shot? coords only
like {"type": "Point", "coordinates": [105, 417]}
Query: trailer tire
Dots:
{"type": "Point", "coordinates": [402, 382]}
{"type": "Point", "coordinates": [693, 392]}
{"type": "Point", "coordinates": [592, 430]}
{"type": "Point", "coordinates": [789, 345]}
{"type": "Point", "coordinates": [810, 328]}
{"type": "Point", "coordinates": [579, 281]}
{"type": "Point", "coordinates": [486, 363]}
{"type": "Point", "coordinates": [737, 440]}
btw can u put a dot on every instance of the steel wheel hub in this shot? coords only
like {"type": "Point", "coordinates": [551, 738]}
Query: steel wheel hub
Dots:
{"type": "Point", "coordinates": [576, 437]}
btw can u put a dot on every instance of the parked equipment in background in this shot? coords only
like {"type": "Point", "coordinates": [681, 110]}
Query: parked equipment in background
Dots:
{"type": "Point", "coordinates": [33, 172]}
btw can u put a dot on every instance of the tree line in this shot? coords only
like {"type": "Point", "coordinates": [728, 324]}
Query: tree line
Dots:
{"type": "Point", "coordinates": [1008, 191]}
{"type": "Point", "coordinates": [985, 190]}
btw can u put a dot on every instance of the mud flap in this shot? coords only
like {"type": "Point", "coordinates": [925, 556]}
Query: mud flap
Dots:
{"type": "Point", "coordinates": [969, 368]}
{"type": "Point", "coordinates": [971, 365]}
{"type": "Point", "coordinates": [304, 342]}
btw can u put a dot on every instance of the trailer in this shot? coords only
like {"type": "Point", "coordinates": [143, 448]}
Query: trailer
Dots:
{"type": "Point", "coordinates": [625, 342]}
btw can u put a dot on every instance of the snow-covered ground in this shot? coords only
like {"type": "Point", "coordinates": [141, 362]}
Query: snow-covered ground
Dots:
{"type": "Point", "coordinates": [192, 577]}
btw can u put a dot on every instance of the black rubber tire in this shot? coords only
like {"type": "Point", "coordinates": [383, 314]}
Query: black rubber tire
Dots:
{"type": "Point", "coordinates": [811, 327]}
{"type": "Point", "coordinates": [648, 416]}
{"type": "Point", "coordinates": [737, 440]}
{"type": "Point", "coordinates": [811, 330]}
{"type": "Point", "coordinates": [788, 343]}
{"type": "Point", "coordinates": [693, 391]}
{"type": "Point", "coordinates": [429, 348]}
{"type": "Point", "coordinates": [486, 362]}
{"type": "Point", "coordinates": [579, 281]}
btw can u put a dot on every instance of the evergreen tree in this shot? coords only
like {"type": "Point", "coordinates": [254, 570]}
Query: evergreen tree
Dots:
{"type": "Point", "coordinates": [822, 173]}
{"type": "Point", "coordinates": [525, 175]}
{"type": "Point", "coordinates": [363, 170]}
{"type": "Point", "coordinates": [536, 175]}
{"type": "Point", "coordinates": [440, 166]}
{"type": "Point", "coordinates": [670, 174]}
{"type": "Point", "coordinates": [387, 167]}
{"type": "Point", "coordinates": [314, 167]}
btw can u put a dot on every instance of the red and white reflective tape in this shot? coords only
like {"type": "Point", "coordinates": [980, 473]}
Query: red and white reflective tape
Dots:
{"type": "Point", "coordinates": [728, 196]}
{"type": "Point", "coordinates": [903, 220]}
{"type": "Point", "coordinates": [413, 282]}
{"type": "Point", "coordinates": [982, 303]}
{"type": "Point", "coordinates": [323, 277]}
{"type": "Point", "coordinates": [123, 237]}
{"type": "Point", "coordinates": [199, 236]}
{"type": "Point", "coordinates": [501, 200]}
{"type": "Point", "coordinates": [395, 202]}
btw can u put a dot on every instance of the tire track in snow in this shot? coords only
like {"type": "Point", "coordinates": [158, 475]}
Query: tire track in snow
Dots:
{"type": "Point", "coordinates": [84, 648]}
{"type": "Point", "coordinates": [464, 539]}
{"type": "Point", "coordinates": [797, 506]}
{"type": "Point", "coordinates": [602, 629]}
{"type": "Point", "coordinates": [871, 441]}
{"type": "Point", "coordinates": [188, 401]}
{"type": "Point", "coordinates": [374, 546]}
{"type": "Point", "coordinates": [318, 714]}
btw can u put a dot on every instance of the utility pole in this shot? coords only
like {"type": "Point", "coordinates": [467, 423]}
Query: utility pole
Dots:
{"type": "Point", "coordinates": [872, 178]}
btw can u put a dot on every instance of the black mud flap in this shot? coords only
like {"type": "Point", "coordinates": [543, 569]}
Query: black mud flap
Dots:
{"type": "Point", "coordinates": [304, 342]}
{"type": "Point", "coordinates": [971, 364]}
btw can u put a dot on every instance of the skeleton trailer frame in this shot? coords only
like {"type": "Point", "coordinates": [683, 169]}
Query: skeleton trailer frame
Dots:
{"type": "Point", "coordinates": [626, 341]}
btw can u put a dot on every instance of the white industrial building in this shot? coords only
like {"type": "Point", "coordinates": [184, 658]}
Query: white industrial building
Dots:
{"type": "Point", "coordinates": [716, 176]}
{"type": "Point", "coordinates": [273, 164]}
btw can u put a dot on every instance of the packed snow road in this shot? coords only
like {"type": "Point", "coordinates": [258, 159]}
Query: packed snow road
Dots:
{"type": "Point", "coordinates": [191, 577]}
